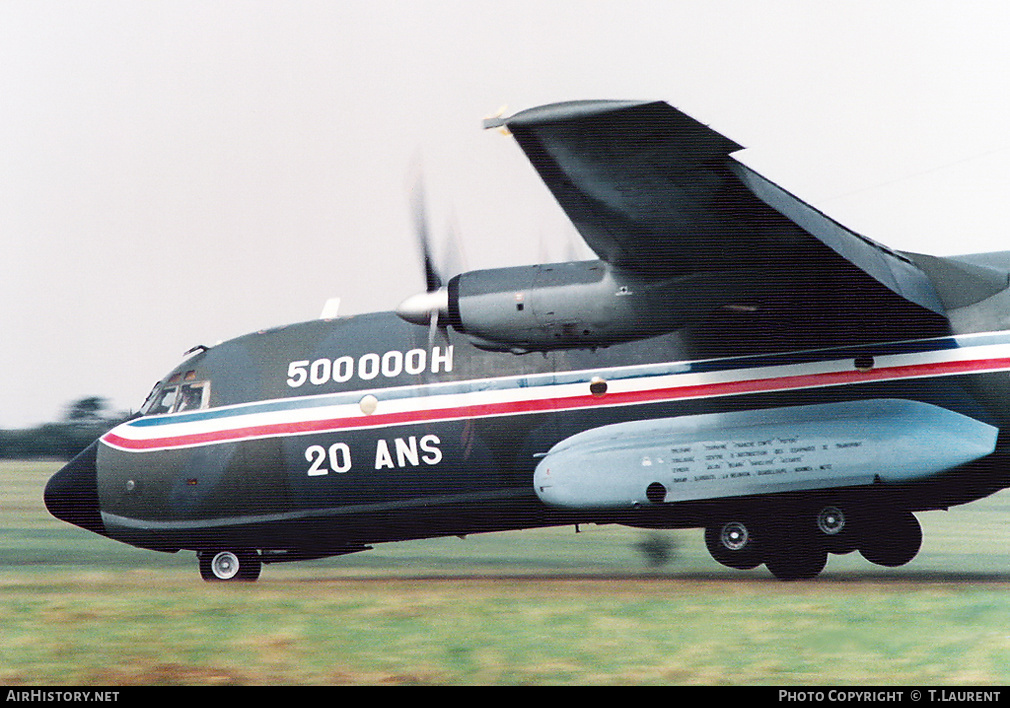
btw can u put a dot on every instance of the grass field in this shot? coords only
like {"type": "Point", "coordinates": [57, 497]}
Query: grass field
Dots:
{"type": "Point", "coordinates": [528, 607]}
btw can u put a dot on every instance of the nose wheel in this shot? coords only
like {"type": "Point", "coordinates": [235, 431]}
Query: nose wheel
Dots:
{"type": "Point", "coordinates": [228, 565]}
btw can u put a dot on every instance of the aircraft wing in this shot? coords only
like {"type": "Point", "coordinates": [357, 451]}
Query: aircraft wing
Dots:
{"type": "Point", "coordinates": [654, 191]}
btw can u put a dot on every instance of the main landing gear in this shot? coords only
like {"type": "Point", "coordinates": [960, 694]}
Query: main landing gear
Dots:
{"type": "Point", "coordinates": [229, 565]}
{"type": "Point", "coordinates": [797, 547]}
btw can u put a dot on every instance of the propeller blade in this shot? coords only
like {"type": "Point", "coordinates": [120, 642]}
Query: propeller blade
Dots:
{"type": "Point", "coordinates": [432, 329]}
{"type": "Point", "coordinates": [418, 207]}
{"type": "Point", "coordinates": [432, 305]}
{"type": "Point", "coordinates": [453, 260]}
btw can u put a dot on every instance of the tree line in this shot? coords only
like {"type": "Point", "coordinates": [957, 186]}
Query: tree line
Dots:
{"type": "Point", "coordinates": [83, 421]}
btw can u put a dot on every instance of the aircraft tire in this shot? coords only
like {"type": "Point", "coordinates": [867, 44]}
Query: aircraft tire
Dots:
{"type": "Point", "coordinates": [893, 541]}
{"type": "Point", "coordinates": [732, 542]}
{"type": "Point", "coordinates": [837, 528]}
{"type": "Point", "coordinates": [249, 566]}
{"type": "Point", "coordinates": [800, 561]}
{"type": "Point", "coordinates": [227, 566]}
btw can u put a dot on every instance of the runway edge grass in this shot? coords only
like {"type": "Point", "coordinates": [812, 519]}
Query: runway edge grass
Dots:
{"type": "Point", "coordinates": [533, 607]}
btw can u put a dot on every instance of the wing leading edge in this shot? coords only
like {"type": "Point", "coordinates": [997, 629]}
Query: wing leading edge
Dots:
{"type": "Point", "coordinates": [655, 192]}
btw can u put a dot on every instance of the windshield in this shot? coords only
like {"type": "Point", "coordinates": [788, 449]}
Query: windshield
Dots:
{"type": "Point", "coordinates": [177, 394]}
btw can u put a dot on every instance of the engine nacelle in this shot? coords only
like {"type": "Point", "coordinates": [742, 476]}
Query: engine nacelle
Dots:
{"type": "Point", "coordinates": [566, 305]}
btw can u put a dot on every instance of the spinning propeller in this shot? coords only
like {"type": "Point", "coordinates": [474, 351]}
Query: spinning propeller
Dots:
{"type": "Point", "coordinates": [432, 305]}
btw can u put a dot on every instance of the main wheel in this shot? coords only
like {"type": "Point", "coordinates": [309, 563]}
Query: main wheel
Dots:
{"type": "Point", "coordinates": [893, 540]}
{"type": "Point", "coordinates": [800, 561]}
{"type": "Point", "coordinates": [229, 565]}
{"type": "Point", "coordinates": [797, 549]}
{"type": "Point", "coordinates": [836, 529]}
{"type": "Point", "coordinates": [733, 544]}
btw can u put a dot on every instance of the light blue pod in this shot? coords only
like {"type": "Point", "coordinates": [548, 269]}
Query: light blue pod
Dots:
{"type": "Point", "coordinates": [758, 452]}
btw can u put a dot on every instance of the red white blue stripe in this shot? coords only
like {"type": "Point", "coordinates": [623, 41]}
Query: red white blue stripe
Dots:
{"type": "Point", "coordinates": [565, 391]}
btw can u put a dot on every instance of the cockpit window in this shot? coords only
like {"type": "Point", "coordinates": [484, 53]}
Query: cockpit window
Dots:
{"type": "Point", "coordinates": [163, 401]}
{"type": "Point", "coordinates": [192, 395]}
{"type": "Point", "coordinates": [172, 397]}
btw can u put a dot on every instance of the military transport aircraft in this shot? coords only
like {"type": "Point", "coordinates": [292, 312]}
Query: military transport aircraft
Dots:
{"type": "Point", "coordinates": [735, 361]}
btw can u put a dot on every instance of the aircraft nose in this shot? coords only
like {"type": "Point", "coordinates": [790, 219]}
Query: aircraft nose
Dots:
{"type": "Point", "coordinates": [72, 493]}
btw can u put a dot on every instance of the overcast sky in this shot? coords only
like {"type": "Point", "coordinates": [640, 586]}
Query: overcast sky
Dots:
{"type": "Point", "coordinates": [178, 173]}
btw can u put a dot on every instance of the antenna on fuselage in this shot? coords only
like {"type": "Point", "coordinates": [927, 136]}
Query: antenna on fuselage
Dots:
{"type": "Point", "coordinates": [330, 309]}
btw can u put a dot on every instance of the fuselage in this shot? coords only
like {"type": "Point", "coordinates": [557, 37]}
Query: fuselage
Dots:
{"type": "Point", "coordinates": [322, 437]}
